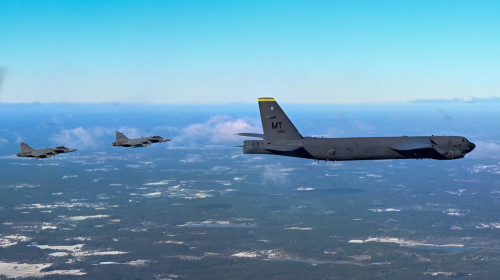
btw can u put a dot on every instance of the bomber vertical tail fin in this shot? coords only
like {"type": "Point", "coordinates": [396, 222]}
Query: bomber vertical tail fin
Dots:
{"type": "Point", "coordinates": [275, 123]}
{"type": "Point", "coordinates": [25, 147]}
{"type": "Point", "coordinates": [120, 137]}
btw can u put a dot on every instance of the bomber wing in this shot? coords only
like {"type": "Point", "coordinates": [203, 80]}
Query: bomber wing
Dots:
{"type": "Point", "coordinates": [256, 135]}
{"type": "Point", "coordinates": [422, 147]}
{"type": "Point", "coordinates": [412, 144]}
{"type": "Point", "coordinates": [281, 148]}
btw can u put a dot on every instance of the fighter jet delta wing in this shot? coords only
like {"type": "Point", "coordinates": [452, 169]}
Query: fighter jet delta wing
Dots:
{"type": "Point", "coordinates": [27, 151]}
{"type": "Point", "coordinates": [157, 139]}
{"type": "Point", "coordinates": [124, 141]}
{"type": "Point", "coordinates": [282, 138]}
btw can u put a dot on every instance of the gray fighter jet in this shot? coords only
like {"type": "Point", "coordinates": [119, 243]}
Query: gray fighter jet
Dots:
{"type": "Point", "coordinates": [27, 151]}
{"type": "Point", "coordinates": [123, 141]}
{"type": "Point", "coordinates": [282, 138]}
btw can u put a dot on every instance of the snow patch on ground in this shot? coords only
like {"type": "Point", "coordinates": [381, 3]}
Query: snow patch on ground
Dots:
{"type": "Point", "coordinates": [305, 189]}
{"type": "Point", "coordinates": [159, 183]}
{"type": "Point", "coordinates": [76, 250]}
{"type": "Point", "coordinates": [379, 210]}
{"type": "Point", "coordinates": [236, 223]}
{"type": "Point", "coordinates": [489, 226]}
{"type": "Point", "coordinates": [23, 270]}
{"type": "Point", "coordinates": [441, 273]}
{"type": "Point", "coordinates": [11, 240]}
{"type": "Point", "coordinates": [402, 242]}
{"type": "Point", "coordinates": [245, 254]}
{"type": "Point", "coordinates": [298, 228]}
{"type": "Point", "coordinates": [455, 212]}
{"type": "Point", "coordinates": [171, 242]}
{"type": "Point", "coordinates": [83, 218]}
{"type": "Point", "coordinates": [152, 194]}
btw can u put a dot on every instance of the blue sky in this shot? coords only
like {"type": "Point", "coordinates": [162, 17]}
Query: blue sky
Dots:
{"type": "Point", "coordinates": [235, 51]}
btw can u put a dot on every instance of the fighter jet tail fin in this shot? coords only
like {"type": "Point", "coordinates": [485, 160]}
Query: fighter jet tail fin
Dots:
{"type": "Point", "coordinates": [120, 137]}
{"type": "Point", "coordinates": [25, 147]}
{"type": "Point", "coordinates": [275, 123]}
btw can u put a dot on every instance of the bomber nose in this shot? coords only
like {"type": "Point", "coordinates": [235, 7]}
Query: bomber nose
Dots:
{"type": "Point", "coordinates": [472, 146]}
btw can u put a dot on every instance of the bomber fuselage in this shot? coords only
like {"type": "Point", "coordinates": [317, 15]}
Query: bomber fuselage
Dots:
{"type": "Point", "coordinates": [363, 148]}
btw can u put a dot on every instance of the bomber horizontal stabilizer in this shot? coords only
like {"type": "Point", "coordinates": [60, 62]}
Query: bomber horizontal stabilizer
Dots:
{"type": "Point", "coordinates": [257, 135]}
{"type": "Point", "coordinates": [412, 144]}
{"type": "Point", "coordinates": [282, 148]}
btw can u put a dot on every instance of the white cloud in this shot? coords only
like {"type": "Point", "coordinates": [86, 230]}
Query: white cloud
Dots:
{"type": "Point", "coordinates": [131, 132]}
{"type": "Point", "coordinates": [466, 99]}
{"type": "Point", "coordinates": [488, 146]}
{"type": "Point", "coordinates": [275, 174]}
{"type": "Point", "coordinates": [81, 138]}
{"type": "Point", "coordinates": [192, 158]}
{"type": "Point", "coordinates": [219, 129]}
{"type": "Point", "coordinates": [3, 141]}
{"type": "Point", "coordinates": [93, 137]}
{"type": "Point", "coordinates": [485, 149]}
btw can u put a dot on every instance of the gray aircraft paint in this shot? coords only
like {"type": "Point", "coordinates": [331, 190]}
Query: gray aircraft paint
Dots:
{"type": "Point", "coordinates": [124, 141]}
{"type": "Point", "coordinates": [27, 151]}
{"type": "Point", "coordinates": [282, 138]}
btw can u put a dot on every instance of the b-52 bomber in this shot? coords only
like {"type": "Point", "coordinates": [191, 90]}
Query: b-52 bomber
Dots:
{"type": "Point", "coordinates": [282, 138]}
{"type": "Point", "coordinates": [27, 151]}
{"type": "Point", "coordinates": [123, 141]}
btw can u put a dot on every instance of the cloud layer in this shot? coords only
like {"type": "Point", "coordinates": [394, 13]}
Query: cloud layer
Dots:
{"type": "Point", "coordinates": [81, 138]}
{"type": "Point", "coordinates": [467, 99]}
{"type": "Point", "coordinates": [486, 149]}
{"type": "Point", "coordinates": [218, 129]}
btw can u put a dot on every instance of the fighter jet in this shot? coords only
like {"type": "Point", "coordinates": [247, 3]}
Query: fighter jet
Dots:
{"type": "Point", "coordinates": [27, 151]}
{"type": "Point", "coordinates": [122, 140]}
{"type": "Point", "coordinates": [282, 138]}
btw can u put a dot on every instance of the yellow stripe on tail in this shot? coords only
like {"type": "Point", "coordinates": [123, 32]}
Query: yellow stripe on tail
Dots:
{"type": "Point", "coordinates": [265, 99]}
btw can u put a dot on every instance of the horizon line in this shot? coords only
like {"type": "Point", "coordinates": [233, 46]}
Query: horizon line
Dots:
{"type": "Point", "coordinates": [456, 100]}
